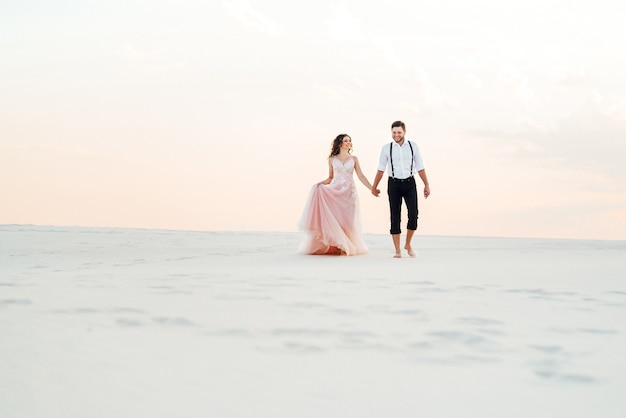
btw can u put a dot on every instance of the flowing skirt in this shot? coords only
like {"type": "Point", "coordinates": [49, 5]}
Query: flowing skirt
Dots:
{"type": "Point", "coordinates": [331, 221]}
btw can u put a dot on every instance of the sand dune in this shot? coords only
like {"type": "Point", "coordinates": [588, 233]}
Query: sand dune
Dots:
{"type": "Point", "coordinates": [99, 322]}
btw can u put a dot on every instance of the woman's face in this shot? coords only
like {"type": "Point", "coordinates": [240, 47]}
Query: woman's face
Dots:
{"type": "Point", "coordinates": [346, 144]}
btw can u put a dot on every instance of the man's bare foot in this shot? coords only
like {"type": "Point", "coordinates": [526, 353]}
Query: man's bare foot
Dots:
{"type": "Point", "coordinates": [409, 250]}
{"type": "Point", "coordinates": [397, 255]}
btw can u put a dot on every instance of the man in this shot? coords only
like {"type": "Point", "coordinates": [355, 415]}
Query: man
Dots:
{"type": "Point", "coordinates": [403, 159]}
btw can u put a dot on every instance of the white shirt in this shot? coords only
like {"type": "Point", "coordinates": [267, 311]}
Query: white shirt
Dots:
{"type": "Point", "coordinates": [401, 160]}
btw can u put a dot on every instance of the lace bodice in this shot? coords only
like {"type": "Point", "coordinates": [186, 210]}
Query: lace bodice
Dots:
{"type": "Point", "coordinates": [343, 174]}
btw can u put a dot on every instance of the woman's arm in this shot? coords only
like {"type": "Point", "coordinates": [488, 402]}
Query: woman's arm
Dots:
{"type": "Point", "coordinates": [360, 175]}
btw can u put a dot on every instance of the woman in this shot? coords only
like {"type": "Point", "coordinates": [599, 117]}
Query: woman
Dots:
{"type": "Point", "coordinates": [331, 215]}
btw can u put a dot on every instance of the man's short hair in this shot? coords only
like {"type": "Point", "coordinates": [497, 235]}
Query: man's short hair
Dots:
{"type": "Point", "coordinates": [398, 124]}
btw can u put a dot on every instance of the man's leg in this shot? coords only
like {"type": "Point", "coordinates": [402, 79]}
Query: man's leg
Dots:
{"type": "Point", "coordinates": [411, 203]}
{"type": "Point", "coordinates": [407, 246]}
{"type": "Point", "coordinates": [396, 244]}
{"type": "Point", "coordinates": [395, 208]}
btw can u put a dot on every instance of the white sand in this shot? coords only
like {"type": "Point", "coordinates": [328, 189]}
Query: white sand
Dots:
{"type": "Point", "coordinates": [131, 323]}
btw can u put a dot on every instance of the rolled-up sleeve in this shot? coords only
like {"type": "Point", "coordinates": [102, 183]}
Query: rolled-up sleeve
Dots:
{"type": "Point", "coordinates": [417, 158]}
{"type": "Point", "coordinates": [384, 158]}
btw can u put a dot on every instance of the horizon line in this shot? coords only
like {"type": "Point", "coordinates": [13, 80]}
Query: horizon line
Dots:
{"type": "Point", "coordinates": [129, 228]}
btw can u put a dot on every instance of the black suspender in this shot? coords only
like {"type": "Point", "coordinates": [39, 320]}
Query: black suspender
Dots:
{"type": "Point", "coordinates": [391, 157]}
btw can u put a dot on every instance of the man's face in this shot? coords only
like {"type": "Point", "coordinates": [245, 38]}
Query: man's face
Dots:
{"type": "Point", "coordinates": [397, 134]}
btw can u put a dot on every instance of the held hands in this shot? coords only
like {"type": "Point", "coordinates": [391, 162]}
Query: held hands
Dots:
{"type": "Point", "coordinates": [375, 192]}
{"type": "Point", "coordinates": [426, 191]}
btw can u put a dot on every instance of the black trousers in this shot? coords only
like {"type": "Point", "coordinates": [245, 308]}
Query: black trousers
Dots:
{"type": "Point", "coordinates": [397, 190]}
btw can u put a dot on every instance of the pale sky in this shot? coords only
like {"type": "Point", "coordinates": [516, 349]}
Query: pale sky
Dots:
{"type": "Point", "coordinates": [218, 115]}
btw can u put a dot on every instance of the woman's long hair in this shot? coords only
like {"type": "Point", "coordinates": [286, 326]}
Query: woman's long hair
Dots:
{"type": "Point", "coordinates": [337, 145]}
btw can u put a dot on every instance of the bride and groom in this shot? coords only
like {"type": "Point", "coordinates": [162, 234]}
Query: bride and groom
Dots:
{"type": "Point", "coordinates": [331, 215]}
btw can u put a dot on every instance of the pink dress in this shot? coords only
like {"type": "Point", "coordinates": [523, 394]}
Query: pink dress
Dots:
{"type": "Point", "coordinates": [331, 215]}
